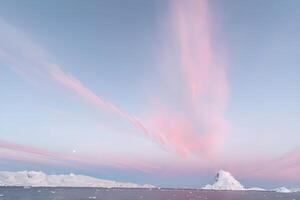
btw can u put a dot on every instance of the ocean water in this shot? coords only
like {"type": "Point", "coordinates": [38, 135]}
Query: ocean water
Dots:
{"type": "Point", "coordinates": [16, 193]}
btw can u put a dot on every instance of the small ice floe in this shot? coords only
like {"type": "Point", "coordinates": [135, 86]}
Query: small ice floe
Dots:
{"type": "Point", "coordinates": [1, 195]}
{"type": "Point", "coordinates": [53, 192]}
{"type": "Point", "coordinates": [295, 190]}
{"type": "Point", "coordinates": [255, 189]}
{"type": "Point", "coordinates": [282, 190]}
{"type": "Point", "coordinates": [92, 197]}
{"type": "Point", "coordinates": [26, 187]}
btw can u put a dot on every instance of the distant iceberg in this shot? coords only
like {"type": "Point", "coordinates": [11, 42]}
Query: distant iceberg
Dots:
{"type": "Point", "coordinates": [40, 179]}
{"type": "Point", "coordinates": [282, 190]}
{"type": "Point", "coordinates": [225, 181]}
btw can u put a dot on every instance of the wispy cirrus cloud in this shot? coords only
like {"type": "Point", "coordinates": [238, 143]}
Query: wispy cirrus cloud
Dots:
{"type": "Point", "coordinates": [43, 155]}
{"type": "Point", "coordinates": [75, 85]}
{"type": "Point", "coordinates": [286, 166]}
{"type": "Point", "coordinates": [282, 167]}
{"type": "Point", "coordinates": [32, 62]}
{"type": "Point", "coordinates": [197, 126]}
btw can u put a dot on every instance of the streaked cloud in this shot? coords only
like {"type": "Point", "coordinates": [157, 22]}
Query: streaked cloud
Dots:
{"type": "Point", "coordinates": [46, 156]}
{"type": "Point", "coordinates": [199, 127]}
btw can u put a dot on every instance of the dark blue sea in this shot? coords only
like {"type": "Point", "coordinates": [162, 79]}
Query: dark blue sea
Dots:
{"type": "Point", "coordinates": [36, 193]}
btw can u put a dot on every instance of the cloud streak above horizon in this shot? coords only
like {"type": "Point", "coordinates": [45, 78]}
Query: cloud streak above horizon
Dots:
{"type": "Point", "coordinates": [30, 61]}
{"type": "Point", "coordinates": [53, 157]}
{"type": "Point", "coordinates": [200, 127]}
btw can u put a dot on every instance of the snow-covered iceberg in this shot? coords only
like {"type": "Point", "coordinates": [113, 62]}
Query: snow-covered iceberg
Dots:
{"type": "Point", "coordinates": [40, 179]}
{"type": "Point", "coordinates": [225, 181]}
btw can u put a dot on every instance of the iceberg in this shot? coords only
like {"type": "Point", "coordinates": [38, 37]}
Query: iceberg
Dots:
{"type": "Point", "coordinates": [282, 190]}
{"type": "Point", "coordinates": [40, 179]}
{"type": "Point", "coordinates": [225, 181]}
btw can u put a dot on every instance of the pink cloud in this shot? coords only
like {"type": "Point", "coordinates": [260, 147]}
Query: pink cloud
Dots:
{"type": "Point", "coordinates": [32, 62]}
{"type": "Point", "coordinates": [199, 128]}
{"type": "Point", "coordinates": [26, 148]}
{"type": "Point", "coordinates": [75, 85]}
{"type": "Point", "coordinates": [45, 156]}
{"type": "Point", "coordinates": [205, 82]}
{"type": "Point", "coordinates": [7, 154]}
{"type": "Point", "coordinates": [285, 167]}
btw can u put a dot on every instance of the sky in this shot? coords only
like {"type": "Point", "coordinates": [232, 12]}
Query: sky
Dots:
{"type": "Point", "coordinates": [160, 92]}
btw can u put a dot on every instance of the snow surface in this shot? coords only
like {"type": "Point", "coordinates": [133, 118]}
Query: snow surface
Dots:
{"type": "Point", "coordinates": [40, 179]}
{"type": "Point", "coordinates": [225, 181]}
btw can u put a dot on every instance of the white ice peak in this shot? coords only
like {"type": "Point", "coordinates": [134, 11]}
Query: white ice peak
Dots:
{"type": "Point", "coordinates": [225, 181]}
